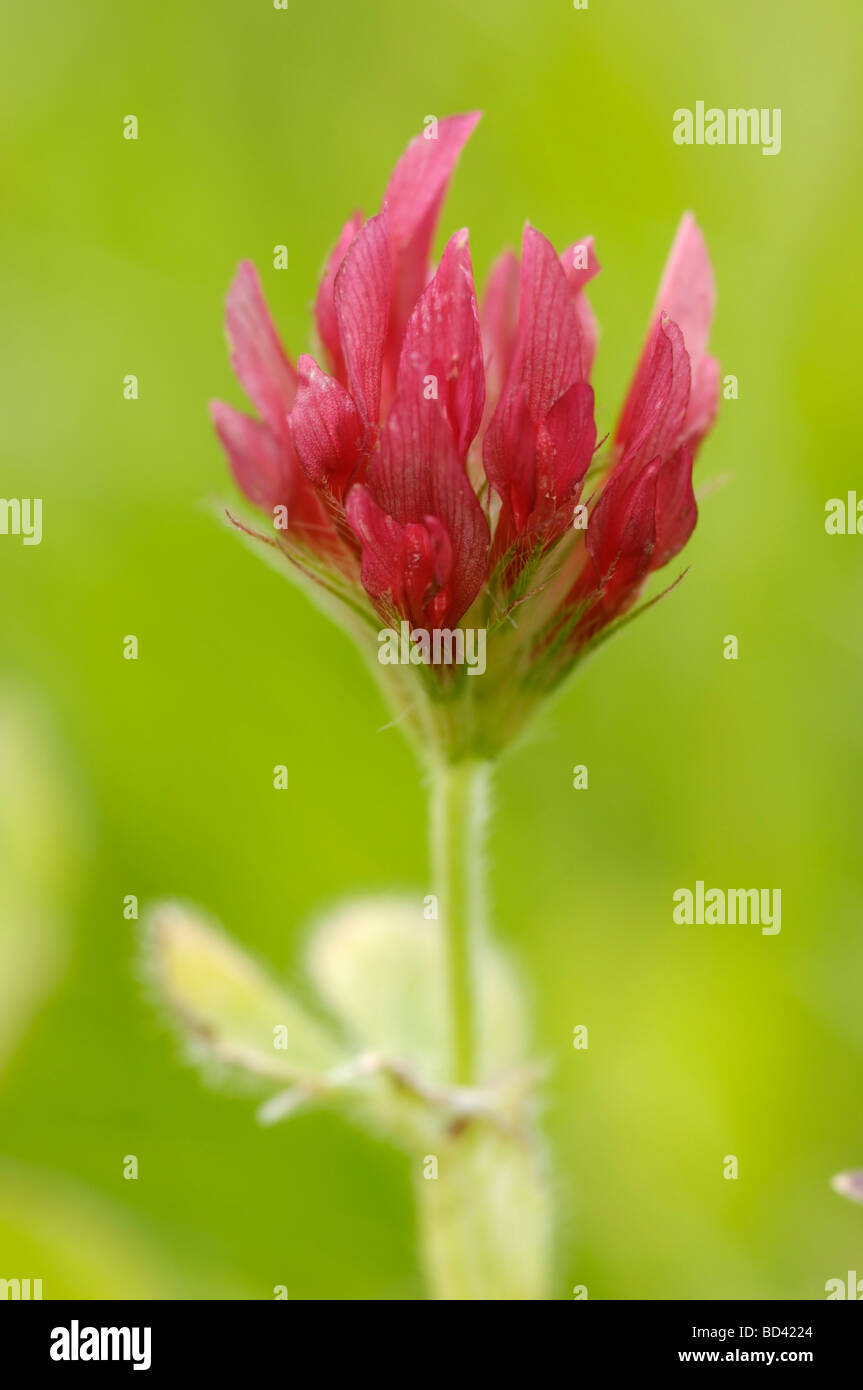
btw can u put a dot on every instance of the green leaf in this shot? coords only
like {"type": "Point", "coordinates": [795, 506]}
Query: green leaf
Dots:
{"type": "Point", "coordinates": [227, 1007]}
{"type": "Point", "coordinates": [379, 965]}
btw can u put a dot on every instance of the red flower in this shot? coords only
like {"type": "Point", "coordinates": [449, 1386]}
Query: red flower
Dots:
{"type": "Point", "coordinates": [436, 461]}
{"type": "Point", "coordinates": [646, 511]}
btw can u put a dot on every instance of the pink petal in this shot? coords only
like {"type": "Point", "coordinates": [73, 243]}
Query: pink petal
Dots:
{"type": "Point", "coordinates": [326, 428]}
{"type": "Point", "coordinates": [588, 331]}
{"type": "Point", "coordinates": [534, 458]}
{"type": "Point", "coordinates": [687, 296]}
{"type": "Point", "coordinates": [325, 308]}
{"type": "Point", "coordinates": [405, 568]}
{"type": "Point", "coordinates": [413, 201]}
{"type": "Point", "coordinates": [381, 538]}
{"type": "Point", "coordinates": [655, 409]}
{"type": "Point", "coordinates": [362, 299]}
{"type": "Point", "coordinates": [676, 509]}
{"type": "Point", "coordinates": [417, 479]}
{"type": "Point", "coordinates": [499, 320]}
{"type": "Point", "coordinates": [443, 341]}
{"type": "Point", "coordinates": [267, 472]}
{"type": "Point", "coordinates": [257, 357]}
{"type": "Point", "coordinates": [548, 349]}
{"type": "Point", "coordinates": [256, 456]}
{"type": "Point", "coordinates": [570, 430]}
{"type": "Point", "coordinates": [621, 532]}
{"type": "Point", "coordinates": [509, 455]}
{"type": "Point", "coordinates": [620, 541]}
{"type": "Point", "coordinates": [686, 292]}
{"type": "Point", "coordinates": [703, 402]}
{"type": "Point", "coordinates": [418, 474]}
{"type": "Point", "coordinates": [578, 276]}
{"type": "Point", "coordinates": [580, 264]}
{"type": "Point", "coordinates": [539, 472]}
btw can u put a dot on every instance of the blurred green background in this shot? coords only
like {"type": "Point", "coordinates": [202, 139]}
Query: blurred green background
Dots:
{"type": "Point", "coordinates": [259, 127]}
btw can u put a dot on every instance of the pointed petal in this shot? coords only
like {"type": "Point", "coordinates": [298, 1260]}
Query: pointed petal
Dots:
{"type": "Point", "coordinates": [362, 298]}
{"type": "Point", "coordinates": [419, 181]}
{"type": "Point", "coordinates": [540, 441]}
{"type": "Point", "coordinates": [443, 341]}
{"type": "Point", "coordinates": [620, 541]}
{"type": "Point", "coordinates": [687, 296]}
{"type": "Point", "coordinates": [257, 357]}
{"type": "Point", "coordinates": [580, 264]}
{"type": "Point", "coordinates": [256, 456]}
{"type": "Point", "coordinates": [326, 428]}
{"type": "Point", "coordinates": [542, 472]}
{"type": "Point", "coordinates": [267, 471]}
{"type": "Point", "coordinates": [413, 200]}
{"type": "Point", "coordinates": [703, 402]}
{"type": "Point", "coordinates": [499, 320]}
{"type": "Point", "coordinates": [588, 331]}
{"type": "Point", "coordinates": [509, 455]}
{"type": "Point", "coordinates": [325, 307]}
{"type": "Point", "coordinates": [404, 568]}
{"type": "Point", "coordinates": [687, 293]}
{"type": "Point", "coordinates": [419, 474]}
{"type": "Point", "coordinates": [418, 481]}
{"type": "Point", "coordinates": [676, 509]}
{"type": "Point", "coordinates": [570, 431]}
{"type": "Point", "coordinates": [621, 533]}
{"type": "Point", "coordinates": [549, 349]}
{"type": "Point", "coordinates": [383, 562]}
{"type": "Point", "coordinates": [655, 409]}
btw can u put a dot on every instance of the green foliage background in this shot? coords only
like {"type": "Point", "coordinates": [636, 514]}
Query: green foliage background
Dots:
{"type": "Point", "coordinates": [259, 127]}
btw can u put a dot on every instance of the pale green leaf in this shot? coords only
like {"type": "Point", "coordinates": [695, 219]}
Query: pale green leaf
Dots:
{"type": "Point", "coordinates": [379, 965]}
{"type": "Point", "coordinates": [226, 1005]}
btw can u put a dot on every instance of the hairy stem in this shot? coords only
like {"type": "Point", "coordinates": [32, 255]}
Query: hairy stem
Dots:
{"type": "Point", "coordinates": [458, 816]}
{"type": "Point", "coordinates": [484, 1217]}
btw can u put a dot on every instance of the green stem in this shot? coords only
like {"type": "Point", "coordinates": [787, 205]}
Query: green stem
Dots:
{"type": "Point", "coordinates": [484, 1218]}
{"type": "Point", "coordinates": [458, 815]}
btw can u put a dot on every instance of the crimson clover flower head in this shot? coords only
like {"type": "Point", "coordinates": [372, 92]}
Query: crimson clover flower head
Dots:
{"type": "Point", "coordinates": [438, 465]}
